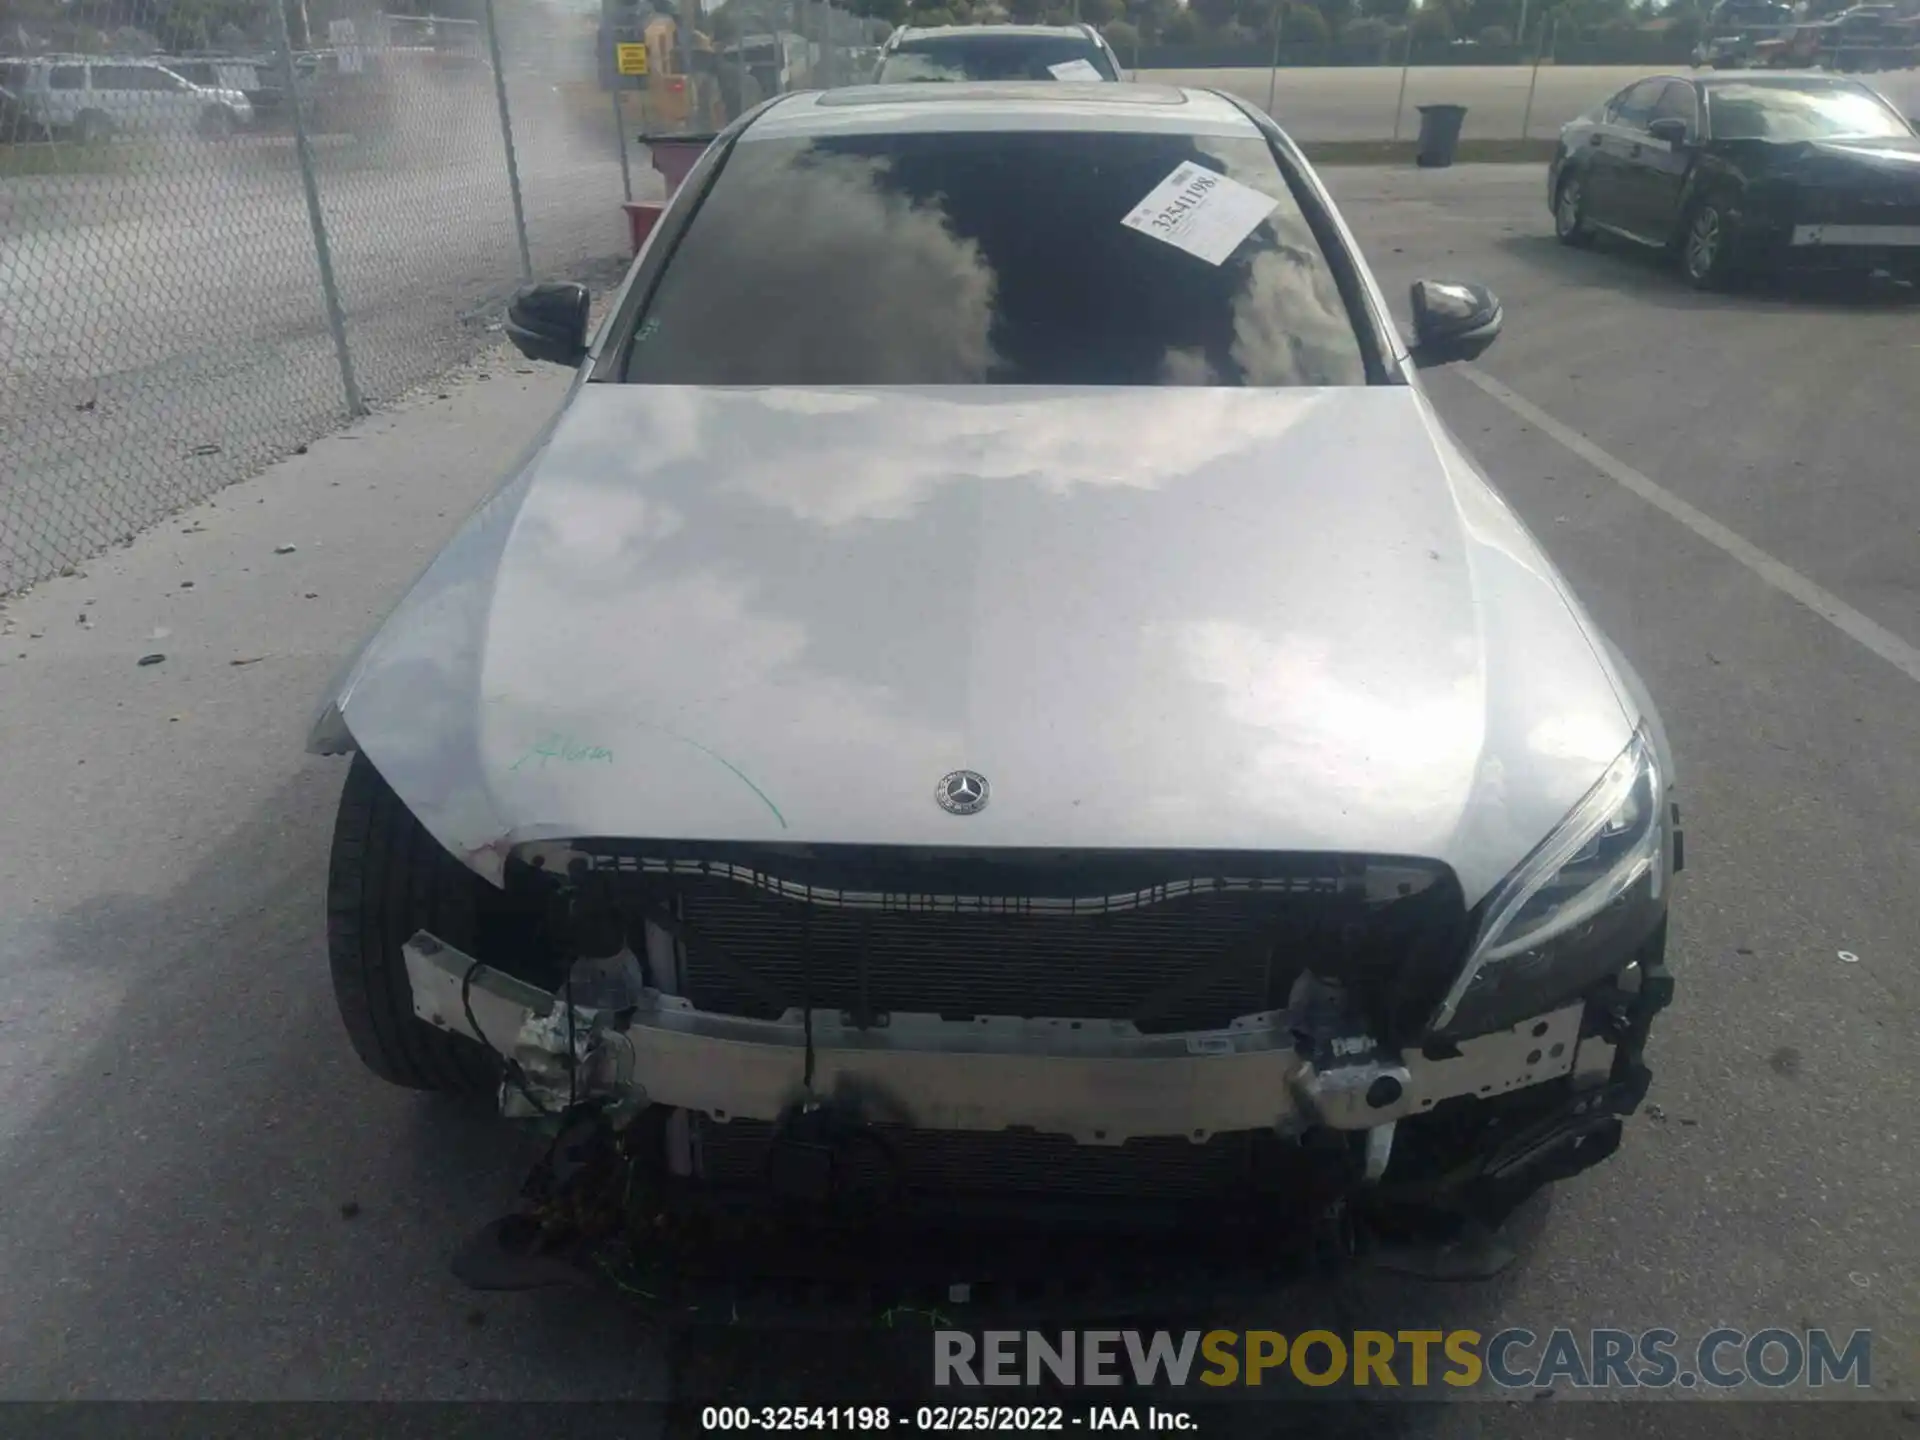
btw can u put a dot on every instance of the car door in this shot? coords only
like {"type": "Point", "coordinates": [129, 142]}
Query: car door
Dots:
{"type": "Point", "coordinates": [115, 91]}
{"type": "Point", "coordinates": [1622, 127]}
{"type": "Point", "coordinates": [1654, 171]}
{"type": "Point", "coordinates": [177, 102]}
{"type": "Point", "coordinates": [66, 94]}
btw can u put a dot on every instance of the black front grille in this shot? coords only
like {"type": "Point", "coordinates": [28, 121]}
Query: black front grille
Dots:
{"type": "Point", "coordinates": [1862, 200]}
{"type": "Point", "coordinates": [1168, 941]}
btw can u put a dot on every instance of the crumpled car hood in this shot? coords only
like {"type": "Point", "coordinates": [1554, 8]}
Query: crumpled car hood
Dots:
{"type": "Point", "coordinates": [1195, 619]}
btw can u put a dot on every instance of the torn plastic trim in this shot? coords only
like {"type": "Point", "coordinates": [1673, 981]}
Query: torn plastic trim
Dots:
{"type": "Point", "coordinates": [328, 735]}
{"type": "Point", "coordinates": [1100, 1081]}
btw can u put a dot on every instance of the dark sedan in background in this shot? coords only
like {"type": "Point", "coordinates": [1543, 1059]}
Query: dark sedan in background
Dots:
{"type": "Point", "coordinates": [1735, 173]}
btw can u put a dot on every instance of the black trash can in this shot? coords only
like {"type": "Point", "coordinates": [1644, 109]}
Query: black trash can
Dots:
{"type": "Point", "coordinates": [1439, 135]}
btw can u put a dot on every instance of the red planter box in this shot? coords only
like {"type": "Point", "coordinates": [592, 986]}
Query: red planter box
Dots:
{"type": "Point", "coordinates": [675, 158]}
{"type": "Point", "coordinates": [642, 216]}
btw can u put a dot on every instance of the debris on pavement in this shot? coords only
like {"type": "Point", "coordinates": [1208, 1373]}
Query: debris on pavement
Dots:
{"type": "Point", "coordinates": [284, 549]}
{"type": "Point", "coordinates": [151, 659]}
{"type": "Point", "coordinates": [248, 660]}
{"type": "Point", "coordinates": [1847, 957]}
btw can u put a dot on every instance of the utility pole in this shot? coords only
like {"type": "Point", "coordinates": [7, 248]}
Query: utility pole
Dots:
{"type": "Point", "coordinates": [696, 94]}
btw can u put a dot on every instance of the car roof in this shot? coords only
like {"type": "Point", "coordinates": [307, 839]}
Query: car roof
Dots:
{"type": "Point", "coordinates": [1779, 80]}
{"type": "Point", "coordinates": [1001, 105]}
{"type": "Point", "coordinates": [941, 32]}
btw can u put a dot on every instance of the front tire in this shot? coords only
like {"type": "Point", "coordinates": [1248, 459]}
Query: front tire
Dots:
{"type": "Point", "coordinates": [1706, 246]}
{"type": "Point", "coordinates": [1570, 212]}
{"type": "Point", "coordinates": [388, 878]}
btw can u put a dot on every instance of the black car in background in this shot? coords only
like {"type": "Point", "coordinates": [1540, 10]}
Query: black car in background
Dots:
{"type": "Point", "coordinates": [1735, 173]}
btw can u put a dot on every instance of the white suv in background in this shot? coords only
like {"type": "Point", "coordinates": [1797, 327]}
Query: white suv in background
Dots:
{"type": "Point", "coordinates": [91, 98]}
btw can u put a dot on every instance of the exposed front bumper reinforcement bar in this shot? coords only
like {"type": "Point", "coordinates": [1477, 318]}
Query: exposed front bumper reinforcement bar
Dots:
{"type": "Point", "coordinates": [1099, 1081]}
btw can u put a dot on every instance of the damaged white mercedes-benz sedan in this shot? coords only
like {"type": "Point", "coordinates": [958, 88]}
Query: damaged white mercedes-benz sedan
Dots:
{"type": "Point", "coordinates": [997, 685]}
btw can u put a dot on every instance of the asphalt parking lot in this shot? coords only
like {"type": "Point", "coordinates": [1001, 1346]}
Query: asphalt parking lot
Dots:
{"type": "Point", "coordinates": [206, 1197]}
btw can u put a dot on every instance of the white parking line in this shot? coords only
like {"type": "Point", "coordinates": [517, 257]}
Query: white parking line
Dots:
{"type": "Point", "coordinates": [1782, 577]}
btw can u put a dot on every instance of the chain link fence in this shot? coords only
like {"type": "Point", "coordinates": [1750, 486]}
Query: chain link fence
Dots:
{"type": "Point", "coordinates": [225, 229]}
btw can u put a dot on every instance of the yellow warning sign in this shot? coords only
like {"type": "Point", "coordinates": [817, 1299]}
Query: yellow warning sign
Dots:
{"type": "Point", "coordinates": [632, 59]}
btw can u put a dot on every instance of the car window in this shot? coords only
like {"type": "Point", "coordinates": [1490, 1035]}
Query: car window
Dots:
{"type": "Point", "coordinates": [990, 57]}
{"type": "Point", "coordinates": [130, 77]}
{"type": "Point", "coordinates": [67, 77]}
{"type": "Point", "coordinates": [1677, 103]}
{"type": "Point", "coordinates": [1755, 111]}
{"type": "Point", "coordinates": [1635, 107]}
{"type": "Point", "coordinates": [986, 258]}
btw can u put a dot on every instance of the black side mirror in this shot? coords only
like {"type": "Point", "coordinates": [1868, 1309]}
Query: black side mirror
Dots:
{"type": "Point", "coordinates": [1668, 129]}
{"type": "Point", "coordinates": [548, 321]}
{"type": "Point", "coordinates": [1452, 321]}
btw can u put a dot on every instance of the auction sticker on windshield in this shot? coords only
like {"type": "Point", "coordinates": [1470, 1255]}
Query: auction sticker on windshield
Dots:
{"type": "Point", "coordinates": [1201, 211]}
{"type": "Point", "coordinates": [1075, 70]}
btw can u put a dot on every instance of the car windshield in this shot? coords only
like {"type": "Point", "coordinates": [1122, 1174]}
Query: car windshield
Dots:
{"type": "Point", "coordinates": [993, 57]}
{"type": "Point", "coordinates": [1752, 111]}
{"type": "Point", "coordinates": [987, 258]}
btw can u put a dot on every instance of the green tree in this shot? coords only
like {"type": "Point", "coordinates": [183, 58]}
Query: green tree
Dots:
{"type": "Point", "coordinates": [1214, 14]}
{"type": "Point", "coordinates": [1431, 24]}
{"type": "Point", "coordinates": [1365, 30]}
{"type": "Point", "coordinates": [1124, 37]}
{"type": "Point", "coordinates": [1384, 9]}
{"type": "Point", "coordinates": [1257, 15]}
{"type": "Point", "coordinates": [1182, 29]}
{"type": "Point", "coordinates": [1304, 25]}
{"type": "Point", "coordinates": [1336, 13]}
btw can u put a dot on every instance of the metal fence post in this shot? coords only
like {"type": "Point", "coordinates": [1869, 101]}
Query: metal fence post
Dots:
{"type": "Point", "coordinates": [316, 219]}
{"type": "Point", "coordinates": [1406, 64]}
{"type": "Point", "coordinates": [506, 138]}
{"type": "Point", "coordinates": [1539, 49]}
{"type": "Point", "coordinates": [1273, 70]}
{"type": "Point", "coordinates": [620, 133]}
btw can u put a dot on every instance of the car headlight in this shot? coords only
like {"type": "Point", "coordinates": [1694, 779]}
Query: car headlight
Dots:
{"type": "Point", "coordinates": [1576, 909]}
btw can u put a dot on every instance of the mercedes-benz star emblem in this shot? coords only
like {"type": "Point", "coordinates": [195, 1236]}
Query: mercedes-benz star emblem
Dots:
{"type": "Point", "coordinates": [962, 792]}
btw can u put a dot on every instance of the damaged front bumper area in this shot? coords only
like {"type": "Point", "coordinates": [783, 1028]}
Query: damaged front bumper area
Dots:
{"type": "Point", "coordinates": [1469, 1127]}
